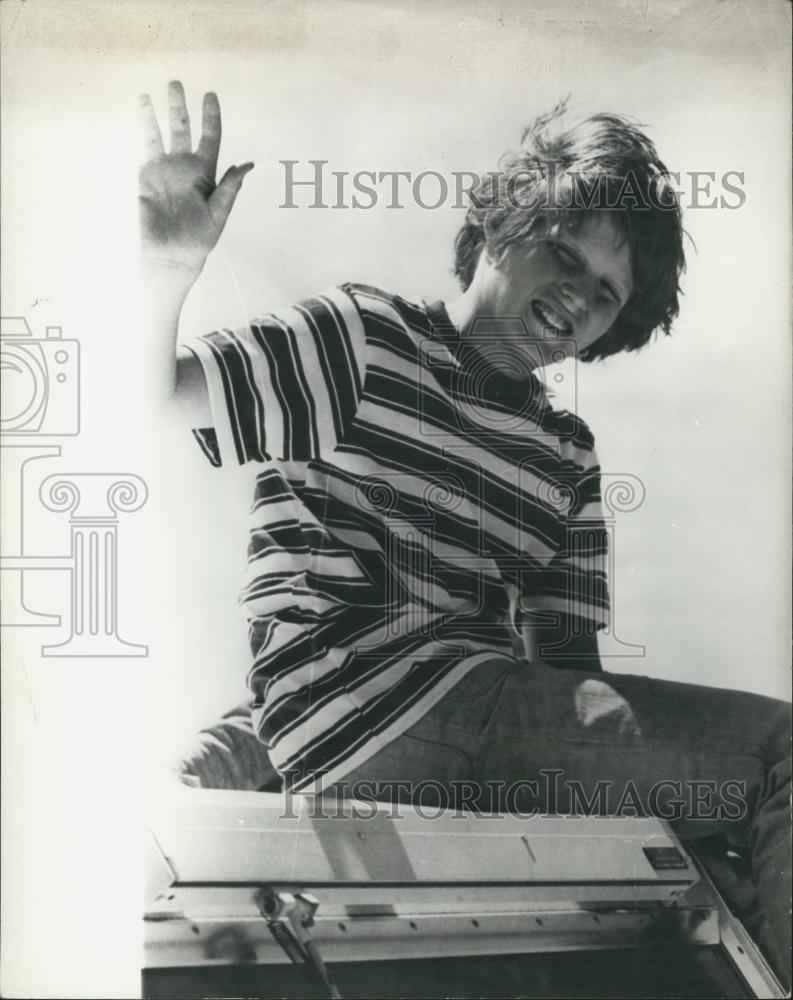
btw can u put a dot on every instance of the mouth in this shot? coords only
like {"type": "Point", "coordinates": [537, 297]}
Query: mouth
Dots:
{"type": "Point", "coordinates": [551, 319]}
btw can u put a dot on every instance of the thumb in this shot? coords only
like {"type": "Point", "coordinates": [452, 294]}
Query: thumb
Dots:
{"type": "Point", "coordinates": [222, 199]}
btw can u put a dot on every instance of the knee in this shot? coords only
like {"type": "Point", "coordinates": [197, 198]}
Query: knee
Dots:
{"type": "Point", "coordinates": [597, 704]}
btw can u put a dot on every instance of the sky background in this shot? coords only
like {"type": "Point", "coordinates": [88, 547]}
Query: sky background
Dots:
{"type": "Point", "coordinates": [701, 575]}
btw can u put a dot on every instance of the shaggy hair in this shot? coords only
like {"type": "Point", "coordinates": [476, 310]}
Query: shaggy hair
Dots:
{"type": "Point", "coordinates": [564, 170]}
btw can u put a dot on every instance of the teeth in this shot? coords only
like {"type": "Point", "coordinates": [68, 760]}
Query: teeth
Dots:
{"type": "Point", "coordinates": [551, 317]}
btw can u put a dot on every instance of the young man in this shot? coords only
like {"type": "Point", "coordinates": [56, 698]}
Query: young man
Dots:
{"type": "Point", "coordinates": [426, 546]}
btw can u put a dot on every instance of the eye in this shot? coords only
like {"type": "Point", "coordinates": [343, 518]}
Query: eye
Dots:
{"type": "Point", "coordinates": [608, 294]}
{"type": "Point", "coordinates": [564, 253]}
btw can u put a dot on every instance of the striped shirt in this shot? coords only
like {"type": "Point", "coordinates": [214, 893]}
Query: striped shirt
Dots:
{"type": "Point", "coordinates": [408, 498]}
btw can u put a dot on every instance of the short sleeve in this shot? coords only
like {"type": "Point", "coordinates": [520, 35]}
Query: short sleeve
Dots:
{"type": "Point", "coordinates": [575, 580]}
{"type": "Point", "coordinates": [286, 386]}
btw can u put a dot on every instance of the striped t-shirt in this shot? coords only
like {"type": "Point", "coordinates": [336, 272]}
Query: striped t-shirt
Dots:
{"type": "Point", "coordinates": [407, 497]}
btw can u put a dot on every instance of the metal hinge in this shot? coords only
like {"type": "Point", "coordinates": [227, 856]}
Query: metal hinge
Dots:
{"type": "Point", "coordinates": [290, 919]}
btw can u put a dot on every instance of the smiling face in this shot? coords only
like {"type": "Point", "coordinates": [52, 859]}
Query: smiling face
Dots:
{"type": "Point", "coordinates": [568, 286]}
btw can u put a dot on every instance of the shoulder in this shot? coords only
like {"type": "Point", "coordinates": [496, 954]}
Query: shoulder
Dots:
{"type": "Point", "coordinates": [377, 306]}
{"type": "Point", "coordinates": [574, 428]}
{"type": "Point", "coordinates": [576, 438]}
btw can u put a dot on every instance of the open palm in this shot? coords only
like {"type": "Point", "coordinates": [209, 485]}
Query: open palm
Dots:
{"type": "Point", "coordinates": [182, 209]}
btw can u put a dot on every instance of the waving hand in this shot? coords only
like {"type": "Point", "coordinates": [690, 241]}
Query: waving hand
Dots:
{"type": "Point", "coordinates": [182, 209]}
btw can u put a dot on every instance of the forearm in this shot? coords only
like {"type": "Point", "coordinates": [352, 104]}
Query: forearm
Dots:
{"type": "Point", "coordinates": [229, 755]}
{"type": "Point", "coordinates": [163, 290]}
{"type": "Point", "coordinates": [169, 379]}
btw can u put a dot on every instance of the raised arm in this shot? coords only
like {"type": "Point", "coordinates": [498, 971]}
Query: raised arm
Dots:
{"type": "Point", "coordinates": [182, 214]}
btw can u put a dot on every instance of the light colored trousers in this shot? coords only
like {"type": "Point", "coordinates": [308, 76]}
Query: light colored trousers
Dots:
{"type": "Point", "coordinates": [525, 737]}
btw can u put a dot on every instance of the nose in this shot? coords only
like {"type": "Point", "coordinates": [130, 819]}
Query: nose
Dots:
{"type": "Point", "coordinates": [574, 295]}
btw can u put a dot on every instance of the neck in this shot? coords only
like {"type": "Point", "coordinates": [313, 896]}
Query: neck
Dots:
{"type": "Point", "coordinates": [463, 311]}
{"type": "Point", "coordinates": [472, 316]}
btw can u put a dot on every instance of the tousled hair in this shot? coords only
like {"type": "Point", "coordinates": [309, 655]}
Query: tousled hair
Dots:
{"type": "Point", "coordinates": [565, 170]}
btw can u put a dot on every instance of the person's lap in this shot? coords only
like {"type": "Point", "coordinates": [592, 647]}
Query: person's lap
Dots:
{"type": "Point", "coordinates": [519, 737]}
{"type": "Point", "coordinates": [509, 721]}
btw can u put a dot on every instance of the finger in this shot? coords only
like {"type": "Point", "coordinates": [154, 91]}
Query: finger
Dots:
{"type": "Point", "coordinates": [180, 120]}
{"type": "Point", "coordinates": [150, 130]}
{"type": "Point", "coordinates": [222, 199]}
{"type": "Point", "coordinates": [209, 145]}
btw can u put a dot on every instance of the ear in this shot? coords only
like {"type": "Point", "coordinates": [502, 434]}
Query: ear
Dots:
{"type": "Point", "coordinates": [486, 258]}
{"type": "Point", "coordinates": [491, 257]}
